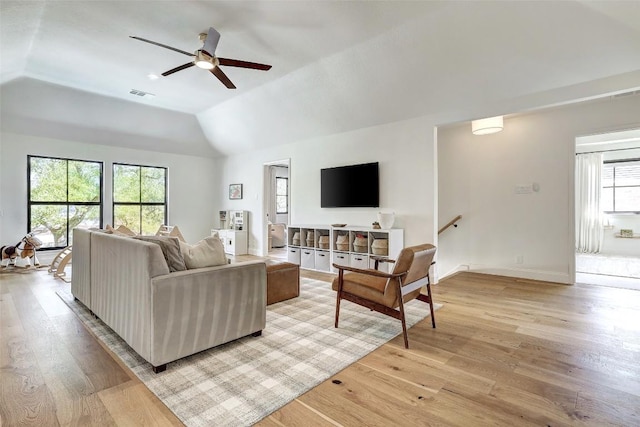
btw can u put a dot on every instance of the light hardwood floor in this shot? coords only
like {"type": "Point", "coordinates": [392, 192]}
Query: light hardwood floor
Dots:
{"type": "Point", "coordinates": [505, 352]}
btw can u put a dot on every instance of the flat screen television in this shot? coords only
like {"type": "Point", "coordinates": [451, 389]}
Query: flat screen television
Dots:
{"type": "Point", "coordinates": [353, 186]}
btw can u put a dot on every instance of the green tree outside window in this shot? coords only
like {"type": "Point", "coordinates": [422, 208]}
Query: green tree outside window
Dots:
{"type": "Point", "coordinates": [139, 197]}
{"type": "Point", "coordinates": [63, 194]}
{"type": "Point", "coordinates": [282, 195]}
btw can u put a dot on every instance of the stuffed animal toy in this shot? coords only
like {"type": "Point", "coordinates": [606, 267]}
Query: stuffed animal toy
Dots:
{"type": "Point", "coordinates": [9, 254]}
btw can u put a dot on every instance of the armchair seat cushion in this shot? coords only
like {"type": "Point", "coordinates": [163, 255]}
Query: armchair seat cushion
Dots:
{"type": "Point", "coordinates": [368, 287]}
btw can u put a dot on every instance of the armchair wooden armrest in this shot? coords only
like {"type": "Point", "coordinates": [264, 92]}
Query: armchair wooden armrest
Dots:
{"type": "Point", "coordinates": [379, 259]}
{"type": "Point", "coordinates": [368, 271]}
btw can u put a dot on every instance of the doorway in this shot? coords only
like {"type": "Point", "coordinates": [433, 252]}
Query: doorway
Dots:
{"type": "Point", "coordinates": [607, 209]}
{"type": "Point", "coordinates": [276, 207]}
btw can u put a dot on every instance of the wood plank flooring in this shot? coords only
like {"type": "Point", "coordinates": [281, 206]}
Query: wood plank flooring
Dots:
{"type": "Point", "coordinates": [506, 352]}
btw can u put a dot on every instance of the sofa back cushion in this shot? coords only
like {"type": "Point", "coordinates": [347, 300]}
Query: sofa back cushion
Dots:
{"type": "Point", "coordinates": [208, 252]}
{"type": "Point", "coordinates": [170, 249]}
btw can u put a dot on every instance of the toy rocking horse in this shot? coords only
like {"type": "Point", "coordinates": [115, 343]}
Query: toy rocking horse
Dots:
{"type": "Point", "coordinates": [21, 256]}
{"type": "Point", "coordinates": [9, 255]}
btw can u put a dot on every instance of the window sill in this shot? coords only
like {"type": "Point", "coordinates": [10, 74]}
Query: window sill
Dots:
{"type": "Point", "coordinates": [621, 213]}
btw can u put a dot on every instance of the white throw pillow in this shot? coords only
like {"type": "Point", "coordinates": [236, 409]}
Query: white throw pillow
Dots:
{"type": "Point", "coordinates": [207, 252]}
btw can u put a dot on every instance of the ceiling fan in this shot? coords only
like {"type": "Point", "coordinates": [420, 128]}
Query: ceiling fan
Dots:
{"type": "Point", "coordinates": [205, 58]}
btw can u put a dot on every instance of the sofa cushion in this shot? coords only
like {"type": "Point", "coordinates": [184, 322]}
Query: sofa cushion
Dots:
{"type": "Point", "coordinates": [170, 249]}
{"type": "Point", "coordinates": [208, 252]}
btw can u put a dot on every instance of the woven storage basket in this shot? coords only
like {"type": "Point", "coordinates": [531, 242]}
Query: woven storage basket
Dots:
{"type": "Point", "coordinates": [323, 242]}
{"type": "Point", "coordinates": [360, 244]}
{"type": "Point", "coordinates": [342, 242]}
{"type": "Point", "coordinates": [295, 240]}
{"type": "Point", "coordinates": [380, 247]}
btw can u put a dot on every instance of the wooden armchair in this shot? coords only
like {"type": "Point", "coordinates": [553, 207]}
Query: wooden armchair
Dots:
{"type": "Point", "coordinates": [381, 291]}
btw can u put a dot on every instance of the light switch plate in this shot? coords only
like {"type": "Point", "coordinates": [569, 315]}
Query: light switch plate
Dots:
{"type": "Point", "coordinates": [524, 189]}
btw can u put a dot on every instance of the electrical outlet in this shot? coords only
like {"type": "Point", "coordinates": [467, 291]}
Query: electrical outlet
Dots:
{"type": "Point", "coordinates": [519, 259]}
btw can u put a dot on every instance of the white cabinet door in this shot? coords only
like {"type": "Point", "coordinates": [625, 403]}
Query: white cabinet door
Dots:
{"type": "Point", "coordinates": [341, 258]}
{"type": "Point", "coordinates": [359, 261]}
{"type": "Point", "coordinates": [229, 245]}
{"type": "Point", "coordinates": [293, 255]}
{"type": "Point", "coordinates": [227, 241]}
{"type": "Point", "coordinates": [322, 261]}
{"type": "Point", "coordinates": [308, 259]}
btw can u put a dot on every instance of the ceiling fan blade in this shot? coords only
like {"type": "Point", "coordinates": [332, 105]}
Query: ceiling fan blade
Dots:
{"type": "Point", "coordinates": [222, 77]}
{"type": "Point", "coordinates": [163, 45]}
{"type": "Point", "coordinates": [243, 64]}
{"type": "Point", "coordinates": [211, 42]}
{"type": "Point", "coordinates": [180, 68]}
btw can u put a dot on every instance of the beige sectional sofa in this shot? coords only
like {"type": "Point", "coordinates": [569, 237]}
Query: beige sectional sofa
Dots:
{"type": "Point", "coordinates": [164, 315]}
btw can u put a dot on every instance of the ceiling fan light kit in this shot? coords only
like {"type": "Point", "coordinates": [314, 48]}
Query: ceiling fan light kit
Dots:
{"type": "Point", "coordinates": [206, 59]}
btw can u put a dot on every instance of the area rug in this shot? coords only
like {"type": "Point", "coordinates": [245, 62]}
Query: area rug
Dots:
{"type": "Point", "coordinates": [609, 265]}
{"type": "Point", "coordinates": [241, 382]}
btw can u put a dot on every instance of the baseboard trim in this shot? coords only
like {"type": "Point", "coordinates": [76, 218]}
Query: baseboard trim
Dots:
{"type": "Point", "coordinates": [541, 275]}
{"type": "Point", "coordinates": [456, 270]}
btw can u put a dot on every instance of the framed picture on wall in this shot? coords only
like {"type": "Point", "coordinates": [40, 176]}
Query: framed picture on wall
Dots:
{"type": "Point", "coordinates": [235, 191]}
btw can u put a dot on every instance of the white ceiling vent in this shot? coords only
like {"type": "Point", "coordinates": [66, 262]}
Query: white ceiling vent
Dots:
{"type": "Point", "coordinates": [141, 93]}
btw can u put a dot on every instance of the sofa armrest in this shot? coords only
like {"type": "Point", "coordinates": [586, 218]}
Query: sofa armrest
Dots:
{"type": "Point", "coordinates": [81, 266]}
{"type": "Point", "coordinates": [121, 272]}
{"type": "Point", "coordinates": [198, 309]}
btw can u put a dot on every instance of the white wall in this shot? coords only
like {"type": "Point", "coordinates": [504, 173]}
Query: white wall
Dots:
{"type": "Point", "coordinates": [191, 199]}
{"type": "Point", "coordinates": [478, 175]}
{"type": "Point", "coordinates": [405, 151]}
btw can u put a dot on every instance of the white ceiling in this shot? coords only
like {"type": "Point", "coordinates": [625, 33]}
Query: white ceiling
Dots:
{"type": "Point", "coordinates": [67, 66]}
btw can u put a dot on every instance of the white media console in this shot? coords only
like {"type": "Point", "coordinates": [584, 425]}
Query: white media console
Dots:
{"type": "Point", "coordinates": [318, 247]}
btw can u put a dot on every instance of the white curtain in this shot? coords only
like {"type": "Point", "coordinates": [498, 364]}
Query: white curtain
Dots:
{"type": "Point", "coordinates": [589, 231]}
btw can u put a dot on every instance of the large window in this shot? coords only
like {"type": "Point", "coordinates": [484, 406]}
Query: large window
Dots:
{"type": "Point", "coordinates": [621, 186]}
{"type": "Point", "coordinates": [282, 195]}
{"type": "Point", "coordinates": [139, 197]}
{"type": "Point", "coordinates": [63, 194]}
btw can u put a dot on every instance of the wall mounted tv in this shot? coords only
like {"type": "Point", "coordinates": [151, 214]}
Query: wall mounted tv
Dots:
{"type": "Point", "coordinates": [353, 186]}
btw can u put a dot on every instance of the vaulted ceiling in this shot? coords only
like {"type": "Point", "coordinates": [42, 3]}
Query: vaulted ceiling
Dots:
{"type": "Point", "coordinates": [67, 67]}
